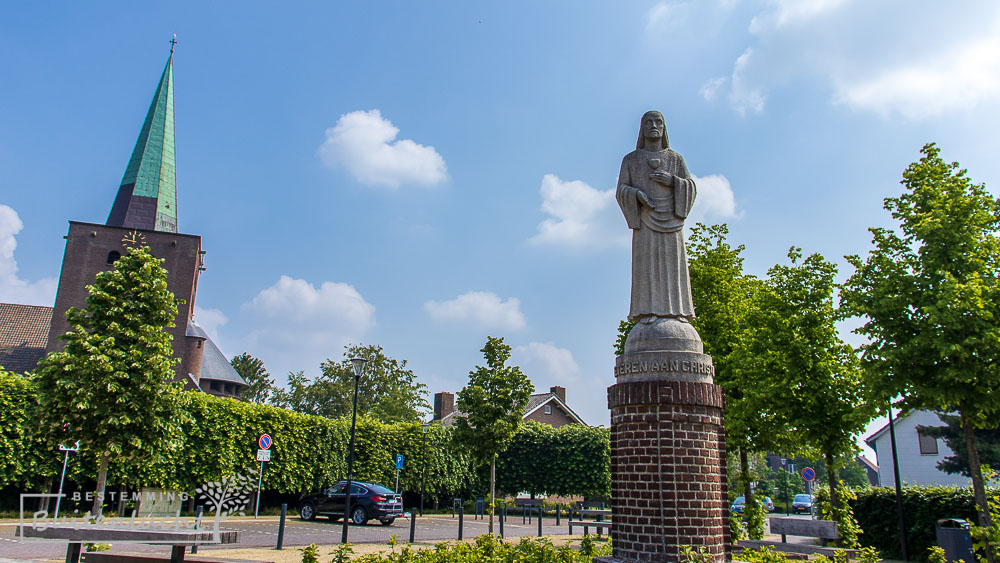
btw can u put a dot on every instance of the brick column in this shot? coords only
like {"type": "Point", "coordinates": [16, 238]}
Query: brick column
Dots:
{"type": "Point", "coordinates": [668, 470]}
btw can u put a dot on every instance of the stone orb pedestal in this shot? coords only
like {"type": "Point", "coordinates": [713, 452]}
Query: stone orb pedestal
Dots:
{"type": "Point", "coordinates": [668, 471]}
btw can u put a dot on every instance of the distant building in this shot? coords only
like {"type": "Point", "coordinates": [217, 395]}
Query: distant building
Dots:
{"type": "Point", "coordinates": [145, 210]}
{"type": "Point", "coordinates": [548, 408]}
{"type": "Point", "coordinates": [918, 453]}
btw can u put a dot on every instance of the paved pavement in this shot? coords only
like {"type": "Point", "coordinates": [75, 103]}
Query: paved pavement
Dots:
{"type": "Point", "coordinates": [264, 533]}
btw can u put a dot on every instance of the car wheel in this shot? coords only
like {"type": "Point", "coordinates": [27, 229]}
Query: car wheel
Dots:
{"type": "Point", "coordinates": [359, 516]}
{"type": "Point", "coordinates": [307, 511]}
{"type": "Point", "coordinates": [387, 521]}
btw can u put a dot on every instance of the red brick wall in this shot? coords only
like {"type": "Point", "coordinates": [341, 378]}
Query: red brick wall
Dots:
{"type": "Point", "coordinates": [668, 476]}
{"type": "Point", "coordinates": [87, 248]}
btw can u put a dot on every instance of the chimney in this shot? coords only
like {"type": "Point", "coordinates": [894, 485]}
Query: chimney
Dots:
{"type": "Point", "coordinates": [559, 392]}
{"type": "Point", "coordinates": [444, 404]}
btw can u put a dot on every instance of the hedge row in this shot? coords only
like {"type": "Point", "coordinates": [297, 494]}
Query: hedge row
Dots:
{"type": "Point", "coordinates": [309, 452]}
{"type": "Point", "coordinates": [875, 510]}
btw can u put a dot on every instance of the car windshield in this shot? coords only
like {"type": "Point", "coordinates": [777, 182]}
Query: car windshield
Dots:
{"type": "Point", "coordinates": [802, 498]}
{"type": "Point", "coordinates": [739, 500]}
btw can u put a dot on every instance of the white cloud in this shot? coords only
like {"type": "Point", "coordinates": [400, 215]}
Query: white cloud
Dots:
{"type": "Point", "coordinates": [581, 216]}
{"type": "Point", "coordinates": [544, 362]}
{"type": "Point", "coordinates": [480, 308]}
{"type": "Point", "coordinates": [210, 320]}
{"type": "Point", "coordinates": [886, 58]}
{"type": "Point", "coordinates": [715, 201]}
{"type": "Point", "coordinates": [298, 325]}
{"type": "Point", "coordinates": [665, 16]}
{"type": "Point", "coordinates": [12, 288]}
{"type": "Point", "coordinates": [963, 78]}
{"type": "Point", "coordinates": [363, 143]}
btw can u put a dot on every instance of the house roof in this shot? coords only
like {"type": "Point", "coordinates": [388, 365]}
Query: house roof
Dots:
{"type": "Point", "coordinates": [535, 402]}
{"type": "Point", "coordinates": [539, 400]}
{"type": "Point", "coordinates": [24, 332]}
{"type": "Point", "coordinates": [867, 462]}
{"type": "Point", "coordinates": [215, 366]}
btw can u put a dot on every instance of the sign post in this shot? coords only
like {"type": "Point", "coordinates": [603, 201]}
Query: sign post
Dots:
{"type": "Point", "coordinates": [263, 455]}
{"type": "Point", "coordinates": [808, 474]}
{"type": "Point", "coordinates": [62, 477]}
{"type": "Point", "coordinates": [399, 465]}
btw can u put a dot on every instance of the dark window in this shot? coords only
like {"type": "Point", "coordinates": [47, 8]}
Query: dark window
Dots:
{"type": "Point", "coordinates": [928, 444]}
{"type": "Point", "coordinates": [215, 386]}
{"type": "Point", "coordinates": [113, 257]}
{"type": "Point", "coordinates": [548, 409]}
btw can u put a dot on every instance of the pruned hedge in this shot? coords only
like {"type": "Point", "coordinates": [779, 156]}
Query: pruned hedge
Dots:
{"type": "Point", "coordinates": [308, 452]}
{"type": "Point", "coordinates": [875, 510]}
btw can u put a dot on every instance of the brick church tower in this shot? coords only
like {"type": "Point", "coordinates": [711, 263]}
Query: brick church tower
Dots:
{"type": "Point", "coordinates": [146, 204]}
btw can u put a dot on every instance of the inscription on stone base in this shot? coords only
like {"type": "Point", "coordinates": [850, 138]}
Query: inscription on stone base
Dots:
{"type": "Point", "coordinates": [660, 366]}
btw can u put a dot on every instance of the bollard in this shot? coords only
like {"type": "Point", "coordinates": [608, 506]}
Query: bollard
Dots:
{"type": "Point", "coordinates": [524, 517]}
{"type": "Point", "coordinates": [461, 514]}
{"type": "Point", "coordinates": [281, 526]}
{"type": "Point", "coordinates": [540, 509]}
{"type": "Point", "coordinates": [197, 518]}
{"type": "Point", "coordinates": [503, 514]}
{"type": "Point", "coordinates": [413, 522]}
{"type": "Point", "coordinates": [558, 510]}
{"type": "Point", "coordinates": [600, 518]}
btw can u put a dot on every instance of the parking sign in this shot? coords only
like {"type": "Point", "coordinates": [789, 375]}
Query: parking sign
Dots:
{"type": "Point", "coordinates": [399, 461]}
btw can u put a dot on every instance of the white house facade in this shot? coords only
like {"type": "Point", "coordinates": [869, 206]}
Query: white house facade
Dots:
{"type": "Point", "coordinates": [918, 454]}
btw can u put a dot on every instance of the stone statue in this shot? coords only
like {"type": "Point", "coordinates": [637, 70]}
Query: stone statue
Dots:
{"type": "Point", "coordinates": [655, 192]}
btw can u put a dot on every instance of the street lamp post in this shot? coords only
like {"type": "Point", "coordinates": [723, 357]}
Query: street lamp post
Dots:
{"type": "Point", "coordinates": [423, 465]}
{"type": "Point", "coordinates": [359, 365]}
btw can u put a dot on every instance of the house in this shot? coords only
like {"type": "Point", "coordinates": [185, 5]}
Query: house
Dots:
{"type": "Point", "coordinates": [24, 331]}
{"type": "Point", "coordinates": [548, 408]}
{"type": "Point", "coordinates": [918, 453]}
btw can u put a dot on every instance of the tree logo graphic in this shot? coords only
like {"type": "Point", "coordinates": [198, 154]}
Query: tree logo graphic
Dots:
{"type": "Point", "coordinates": [228, 496]}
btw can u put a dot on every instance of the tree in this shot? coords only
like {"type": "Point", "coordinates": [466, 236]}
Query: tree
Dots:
{"type": "Point", "coordinates": [727, 300]}
{"type": "Point", "coordinates": [387, 392]}
{"type": "Point", "coordinates": [113, 384]}
{"type": "Point", "coordinates": [929, 295]}
{"type": "Point", "coordinates": [260, 385]}
{"type": "Point", "coordinates": [493, 403]}
{"type": "Point", "coordinates": [823, 395]}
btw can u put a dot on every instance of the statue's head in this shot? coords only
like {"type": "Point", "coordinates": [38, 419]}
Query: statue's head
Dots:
{"type": "Point", "coordinates": [654, 129]}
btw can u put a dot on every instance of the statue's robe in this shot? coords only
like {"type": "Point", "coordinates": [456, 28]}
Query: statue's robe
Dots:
{"type": "Point", "coordinates": [661, 285]}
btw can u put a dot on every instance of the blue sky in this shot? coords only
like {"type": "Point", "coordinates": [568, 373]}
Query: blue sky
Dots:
{"type": "Point", "coordinates": [422, 175]}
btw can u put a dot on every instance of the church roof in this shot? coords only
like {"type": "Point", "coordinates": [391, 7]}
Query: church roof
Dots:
{"type": "Point", "coordinates": [147, 196]}
{"type": "Point", "coordinates": [24, 331]}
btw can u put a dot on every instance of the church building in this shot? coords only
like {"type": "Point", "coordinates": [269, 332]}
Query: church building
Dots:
{"type": "Point", "coordinates": [144, 209]}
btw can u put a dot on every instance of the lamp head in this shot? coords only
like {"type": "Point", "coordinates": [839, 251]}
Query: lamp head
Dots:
{"type": "Point", "coordinates": [425, 427]}
{"type": "Point", "coordinates": [359, 365]}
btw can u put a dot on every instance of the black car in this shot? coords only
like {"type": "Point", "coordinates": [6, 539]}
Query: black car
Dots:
{"type": "Point", "coordinates": [368, 502]}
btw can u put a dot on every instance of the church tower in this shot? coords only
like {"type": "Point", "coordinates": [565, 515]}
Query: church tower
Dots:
{"type": "Point", "coordinates": [147, 204]}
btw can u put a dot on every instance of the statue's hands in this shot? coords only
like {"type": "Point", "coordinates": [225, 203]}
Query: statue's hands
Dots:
{"type": "Point", "coordinates": [642, 198]}
{"type": "Point", "coordinates": [665, 178]}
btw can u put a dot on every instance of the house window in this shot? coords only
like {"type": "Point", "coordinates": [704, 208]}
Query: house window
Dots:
{"type": "Point", "coordinates": [113, 256]}
{"type": "Point", "coordinates": [548, 409]}
{"type": "Point", "coordinates": [928, 444]}
{"type": "Point", "coordinates": [214, 385]}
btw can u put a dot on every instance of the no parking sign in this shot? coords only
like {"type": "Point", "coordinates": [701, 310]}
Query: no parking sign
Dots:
{"type": "Point", "coordinates": [808, 473]}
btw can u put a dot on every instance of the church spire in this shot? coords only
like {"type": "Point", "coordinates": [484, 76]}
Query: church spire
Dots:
{"type": "Point", "coordinates": [147, 196]}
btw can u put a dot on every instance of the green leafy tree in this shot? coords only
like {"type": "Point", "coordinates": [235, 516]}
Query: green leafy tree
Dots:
{"type": "Point", "coordinates": [493, 405]}
{"type": "Point", "coordinates": [824, 396]}
{"type": "Point", "coordinates": [113, 384]}
{"type": "Point", "coordinates": [929, 295]}
{"type": "Point", "coordinates": [726, 299]}
{"type": "Point", "coordinates": [388, 391]}
{"type": "Point", "coordinates": [260, 385]}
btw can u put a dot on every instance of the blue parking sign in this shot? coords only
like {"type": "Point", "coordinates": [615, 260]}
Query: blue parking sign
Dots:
{"type": "Point", "coordinates": [399, 461]}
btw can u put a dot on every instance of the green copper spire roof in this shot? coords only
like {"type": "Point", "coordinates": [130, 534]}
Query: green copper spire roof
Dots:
{"type": "Point", "coordinates": [147, 196]}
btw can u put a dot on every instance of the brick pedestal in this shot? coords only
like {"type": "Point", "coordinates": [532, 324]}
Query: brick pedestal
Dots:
{"type": "Point", "coordinates": [668, 471]}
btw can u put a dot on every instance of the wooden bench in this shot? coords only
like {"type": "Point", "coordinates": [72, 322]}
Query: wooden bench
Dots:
{"type": "Point", "coordinates": [77, 536]}
{"type": "Point", "coordinates": [821, 529]}
{"type": "Point", "coordinates": [588, 523]}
